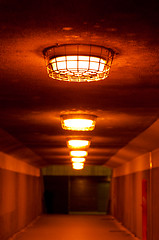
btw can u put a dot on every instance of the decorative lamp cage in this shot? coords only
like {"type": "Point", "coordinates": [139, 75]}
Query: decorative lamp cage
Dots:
{"type": "Point", "coordinates": [76, 144]}
{"type": "Point", "coordinates": [78, 160]}
{"type": "Point", "coordinates": [78, 165]}
{"type": "Point", "coordinates": [78, 62]}
{"type": "Point", "coordinates": [78, 122]}
{"type": "Point", "coordinates": [78, 153]}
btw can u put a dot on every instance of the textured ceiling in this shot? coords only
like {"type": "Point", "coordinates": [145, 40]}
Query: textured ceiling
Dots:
{"type": "Point", "coordinates": [126, 103]}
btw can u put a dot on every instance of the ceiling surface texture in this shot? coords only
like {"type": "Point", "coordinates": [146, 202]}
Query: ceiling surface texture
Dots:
{"type": "Point", "coordinates": [126, 103]}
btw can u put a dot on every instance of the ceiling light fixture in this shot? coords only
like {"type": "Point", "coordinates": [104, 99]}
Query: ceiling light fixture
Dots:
{"type": "Point", "coordinates": [78, 144]}
{"type": "Point", "coordinates": [78, 154]}
{"type": "Point", "coordinates": [78, 166]}
{"type": "Point", "coordinates": [78, 62]}
{"type": "Point", "coordinates": [78, 160]}
{"type": "Point", "coordinates": [78, 122]}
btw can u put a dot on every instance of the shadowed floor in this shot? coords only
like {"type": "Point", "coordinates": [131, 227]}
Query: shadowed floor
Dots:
{"type": "Point", "coordinates": [74, 227]}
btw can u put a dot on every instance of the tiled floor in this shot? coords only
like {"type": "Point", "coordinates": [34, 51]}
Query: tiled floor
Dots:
{"type": "Point", "coordinates": [74, 227]}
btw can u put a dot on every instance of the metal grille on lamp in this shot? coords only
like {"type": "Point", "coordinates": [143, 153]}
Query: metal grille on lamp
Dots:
{"type": "Point", "coordinates": [78, 122]}
{"type": "Point", "coordinates": [78, 62]}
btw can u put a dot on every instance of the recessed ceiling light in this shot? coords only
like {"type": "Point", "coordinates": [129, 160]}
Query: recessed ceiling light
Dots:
{"type": "Point", "coordinates": [78, 122]}
{"type": "Point", "coordinates": [78, 160]}
{"type": "Point", "coordinates": [78, 62]}
{"type": "Point", "coordinates": [78, 144]}
{"type": "Point", "coordinates": [78, 153]}
{"type": "Point", "coordinates": [78, 166]}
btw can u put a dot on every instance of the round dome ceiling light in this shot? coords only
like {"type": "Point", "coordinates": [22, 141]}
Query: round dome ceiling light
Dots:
{"type": "Point", "coordinates": [78, 144]}
{"type": "Point", "coordinates": [78, 122]}
{"type": "Point", "coordinates": [78, 154]}
{"type": "Point", "coordinates": [78, 165]}
{"type": "Point", "coordinates": [78, 160]}
{"type": "Point", "coordinates": [78, 62]}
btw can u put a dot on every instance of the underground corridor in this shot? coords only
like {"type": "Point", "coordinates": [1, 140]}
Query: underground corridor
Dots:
{"type": "Point", "coordinates": [79, 120]}
{"type": "Point", "coordinates": [96, 202]}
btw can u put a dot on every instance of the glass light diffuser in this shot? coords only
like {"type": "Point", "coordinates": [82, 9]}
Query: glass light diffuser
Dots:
{"type": "Point", "coordinates": [78, 62]}
{"type": "Point", "coordinates": [78, 144]}
{"type": "Point", "coordinates": [78, 160]}
{"type": "Point", "coordinates": [78, 153]}
{"type": "Point", "coordinates": [78, 166]}
{"type": "Point", "coordinates": [78, 122]}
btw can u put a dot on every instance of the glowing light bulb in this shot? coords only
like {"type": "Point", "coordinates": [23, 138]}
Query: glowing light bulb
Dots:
{"type": "Point", "coordinates": [78, 144]}
{"type": "Point", "coordinates": [78, 166]}
{"type": "Point", "coordinates": [78, 62]}
{"type": "Point", "coordinates": [78, 153]}
{"type": "Point", "coordinates": [78, 160]}
{"type": "Point", "coordinates": [78, 122]}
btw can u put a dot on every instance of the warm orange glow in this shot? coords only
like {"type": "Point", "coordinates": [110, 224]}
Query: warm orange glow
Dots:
{"type": "Point", "coordinates": [78, 153]}
{"type": "Point", "coordinates": [78, 160]}
{"type": "Point", "coordinates": [78, 122]}
{"type": "Point", "coordinates": [78, 62]}
{"type": "Point", "coordinates": [78, 166]}
{"type": "Point", "coordinates": [80, 66]}
{"type": "Point", "coordinates": [78, 144]}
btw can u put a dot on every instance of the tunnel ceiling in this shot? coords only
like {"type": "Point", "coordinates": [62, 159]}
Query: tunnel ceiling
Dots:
{"type": "Point", "coordinates": [126, 103]}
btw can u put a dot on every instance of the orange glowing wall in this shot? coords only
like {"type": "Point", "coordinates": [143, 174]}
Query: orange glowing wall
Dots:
{"type": "Point", "coordinates": [20, 195]}
{"type": "Point", "coordinates": [126, 194]}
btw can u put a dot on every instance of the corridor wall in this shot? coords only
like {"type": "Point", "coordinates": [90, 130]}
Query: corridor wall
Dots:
{"type": "Point", "coordinates": [135, 181]}
{"type": "Point", "coordinates": [127, 195]}
{"type": "Point", "coordinates": [20, 195]}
